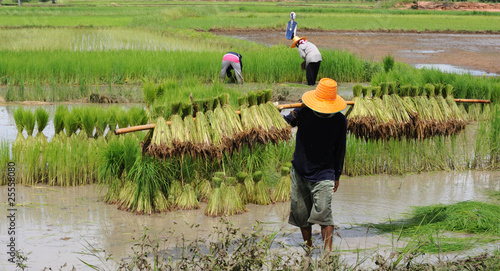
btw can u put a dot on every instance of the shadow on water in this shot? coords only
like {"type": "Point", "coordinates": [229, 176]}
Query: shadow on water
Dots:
{"type": "Point", "coordinates": [55, 223]}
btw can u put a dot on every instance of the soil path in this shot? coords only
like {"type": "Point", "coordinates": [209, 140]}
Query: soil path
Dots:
{"type": "Point", "coordinates": [467, 51]}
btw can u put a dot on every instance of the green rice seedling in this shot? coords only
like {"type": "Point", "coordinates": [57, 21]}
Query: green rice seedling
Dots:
{"type": "Point", "coordinates": [198, 106]}
{"type": "Point", "coordinates": [283, 189]}
{"type": "Point", "coordinates": [261, 97]}
{"type": "Point", "coordinates": [215, 103]}
{"type": "Point", "coordinates": [204, 130]}
{"type": "Point", "coordinates": [19, 120]}
{"type": "Point", "coordinates": [357, 90]}
{"type": "Point", "coordinates": [448, 90]}
{"type": "Point", "coordinates": [29, 122]}
{"type": "Point", "coordinates": [268, 95]}
{"type": "Point", "coordinates": [367, 91]}
{"type": "Point", "coordinates": [208, 105]}
{"type": "Point", "coordinates": [414, 91]}
{"type": "Point", "coordinates": [405, 90]}
{"type": "Point", "coordinates": [42, 119]}
{"type": "Point", "coordinates": [187, 199]}
{"type": "Point", "coordinates": [59, 116]}
{"type": "Point", "coordinates": [88, 121]}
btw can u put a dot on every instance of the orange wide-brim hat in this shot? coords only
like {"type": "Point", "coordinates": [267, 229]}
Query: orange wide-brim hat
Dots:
{"type": "Point", "coordinates": [324, 98]}
{"type": "Point", "coordinates": [295, 40]}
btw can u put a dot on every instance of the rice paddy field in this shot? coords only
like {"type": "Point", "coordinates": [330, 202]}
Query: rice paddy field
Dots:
{"type": "Point", "coordinates": [219, 150]}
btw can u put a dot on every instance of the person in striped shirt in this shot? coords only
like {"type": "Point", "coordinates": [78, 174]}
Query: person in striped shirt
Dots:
{"type": "Point", "coordinates": [232, 61]}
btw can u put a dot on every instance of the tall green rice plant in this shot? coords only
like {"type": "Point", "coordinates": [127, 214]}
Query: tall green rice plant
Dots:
{"type": "Point", "coordinates": [88, 120]}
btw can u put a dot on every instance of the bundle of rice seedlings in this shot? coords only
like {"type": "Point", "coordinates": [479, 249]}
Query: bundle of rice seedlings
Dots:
{"type": "Point", "coordinates": [203, 129]}
{"type": "Point", "coordinates": [233, 118]}
{"type": "Point", "coordinates": [357, 90]}
{"type": "Point", "coordinates": [367, 91]}
{"type": "Point", "coordinates": [208, 105]}
{"type": "Point", "coordinates": [178, 134]}
{"type": "Point", "coordinates": [160, 144]}
{"type": "Point", "coordinates": [361, 122]}
{"type": "Point", "coordinates": [29, 122]}
{"type": "Point", "coordinates": [198, 106]}
{"type": "Point", "coordinates": [242, 101]}
{"type": "Point", "coordinates": [405, 90]}
{"type": "Point", "coordinates": [204, 190]}
{"type": "Point", "coordinates": [384, 88]}
{"type": "Point", "coordinates": [241, 188]}
{"type": "Point", "coordinates": [42, 119]}
{"type": "Point", "coordinates": [187, 199]}
{"type": "Point", "coordinates": [261, 193]}
{"type": "Point", "coordinates": [429, 89]}
{"type": "Point", "coordinates": [19, 119]}
{"type": "Point", "coordinates": [414, 91]}
{"type": "Point", "coordinates": [261, 97]}
{"type": "Point", "coordinates": [231, 201]}
{"type": "Point", "coordinates": [215, 206]}
{"type": "Point", "coordinates": [283, 188]}
{"type": "Point", "coordinates": [176, 108]}
{"type": "Point", "coordinates": [223, 99]}
{"type": "Point", "coordinates": [174, 192]}
{"type": "Point", "coordinates": [268, 95]}
{"type": "Point", "coordinates": [252, 98]}
{"type": "Point", "coordinates": [391, 88]}
{"type": "Point", "coordinates": [88, 120]}
{"type": "Point", "coordinates": [140, 193]}
{"type": "Point", "coordinates": [215, 103]}
{"type": "Point", "coordinates": [377, 91]}
{"type": "Point", "coordinates": [187, 109]}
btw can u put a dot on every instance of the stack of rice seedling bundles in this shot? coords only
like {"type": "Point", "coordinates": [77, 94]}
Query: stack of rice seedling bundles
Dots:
{"type": "Point", "coordinates": [215, 205]}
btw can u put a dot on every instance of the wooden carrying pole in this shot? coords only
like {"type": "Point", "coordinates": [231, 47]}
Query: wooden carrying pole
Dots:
{"type": "Point", "coordinates": [280, 107]}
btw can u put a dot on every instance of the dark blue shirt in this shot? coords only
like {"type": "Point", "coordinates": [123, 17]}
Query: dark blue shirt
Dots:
{"type": "Point", "coordinates": [320, 144]}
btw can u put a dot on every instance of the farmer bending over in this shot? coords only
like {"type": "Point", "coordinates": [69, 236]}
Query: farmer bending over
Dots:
{"type": "Point", "coordinates": [312, 58]}
{"type": "Point", "coordinates": [318, 159]}
{"type": "Point", "coordinates": [232, 61]}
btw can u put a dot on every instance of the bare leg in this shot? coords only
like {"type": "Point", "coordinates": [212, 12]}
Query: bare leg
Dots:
{"type": "Point", "coordinates": [327, 234]}
{"type": "Point", "coordinates": [307, 235]}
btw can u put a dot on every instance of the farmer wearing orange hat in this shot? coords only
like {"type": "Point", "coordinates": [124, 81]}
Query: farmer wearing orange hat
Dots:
{"type": "Point", "coordinates": [312, 58]}
{"type": "Point", "coordinates": [318, 159]}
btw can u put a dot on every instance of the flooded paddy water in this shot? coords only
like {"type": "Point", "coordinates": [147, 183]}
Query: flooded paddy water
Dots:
{"type": "Point", "coordinates": [56, 224]}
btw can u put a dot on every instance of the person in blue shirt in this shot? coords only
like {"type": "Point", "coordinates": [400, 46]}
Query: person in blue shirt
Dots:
{"type": "Point", "coordinates": [318, 159]}
{"type": "Point", "coordinates": [291, 28]}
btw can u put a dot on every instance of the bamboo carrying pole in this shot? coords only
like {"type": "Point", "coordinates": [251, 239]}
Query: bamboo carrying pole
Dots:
{"type": "Point", "coordinates": [280, 107]}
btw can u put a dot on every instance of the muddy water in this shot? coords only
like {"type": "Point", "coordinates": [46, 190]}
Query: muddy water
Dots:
{"type": "Point", "coordinates": [54, 224]}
